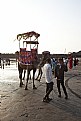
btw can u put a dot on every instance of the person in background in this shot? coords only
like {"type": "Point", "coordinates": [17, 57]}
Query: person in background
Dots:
{"type": "Point", "coordinates": [48, 79]}
{"type": "Point", "coordinates": [75, 62]}
{"type": "Point", "coordinates": [59, 75]}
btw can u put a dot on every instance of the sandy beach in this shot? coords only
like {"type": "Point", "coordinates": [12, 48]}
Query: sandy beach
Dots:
{"type": "Point", "coordinates": [18, 104]}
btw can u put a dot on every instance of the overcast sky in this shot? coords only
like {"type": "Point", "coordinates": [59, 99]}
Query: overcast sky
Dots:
{"type": "Point", "coordinates": [57, 21]}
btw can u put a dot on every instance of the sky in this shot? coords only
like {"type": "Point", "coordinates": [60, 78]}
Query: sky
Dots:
{"type": "Point", "coordinates": [57, 21]}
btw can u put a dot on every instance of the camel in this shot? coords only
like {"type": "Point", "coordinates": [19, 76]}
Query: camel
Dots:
{"type": "Point", "coordinates": [28, 59]}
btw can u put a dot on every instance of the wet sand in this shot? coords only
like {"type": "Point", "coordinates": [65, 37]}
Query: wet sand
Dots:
{"type": "Point", "coordinates": [17, 104]}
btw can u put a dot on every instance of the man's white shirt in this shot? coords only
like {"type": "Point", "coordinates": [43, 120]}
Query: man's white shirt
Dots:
{"type": "Point", "coordinates": [48, 73]}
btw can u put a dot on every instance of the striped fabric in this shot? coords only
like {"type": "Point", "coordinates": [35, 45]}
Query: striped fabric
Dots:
{"type": "Point", "coordinates": [27, 57]}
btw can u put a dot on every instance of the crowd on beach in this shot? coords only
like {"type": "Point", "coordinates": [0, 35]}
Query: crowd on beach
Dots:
{"type": "Point", "coordinates": [70, 62]}
{"type": "Point", "coordinates": [4, 62]}
{"type": "Point", "coordinates": [57, 67]}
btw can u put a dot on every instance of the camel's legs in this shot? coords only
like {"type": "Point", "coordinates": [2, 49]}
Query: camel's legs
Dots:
{"type": "Point", "coordinates": [39, 74]}
{"type": "Point", "coordinates": [20, 77]}
{"type": "Point", "coordinates": [24, 74]}
{"type": "Point", "coordinates": [28, 73]}
{"type": "Point", "coordinates": [34, 70]}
